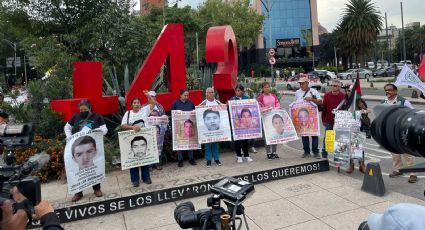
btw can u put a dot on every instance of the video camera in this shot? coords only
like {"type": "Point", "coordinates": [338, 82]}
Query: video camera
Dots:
{"type": "Point", "coordinates": [232, 191]}
{"type": "Point", "coordinates": [11, 174]}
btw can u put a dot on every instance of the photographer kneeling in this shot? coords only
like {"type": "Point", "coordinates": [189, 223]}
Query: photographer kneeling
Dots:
{"type": "Point", "coordinates": [18, 220]}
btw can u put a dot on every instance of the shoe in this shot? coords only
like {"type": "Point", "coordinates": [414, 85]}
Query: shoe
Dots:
{"type": "Point", "coordinates": [180, 164]}
{"type": "Point", "coordinates": [217, 162]}
{"type": "Point", "coordinates": [192, 162]}
{"type": "Point", "coordinates": [362, 167]}
{"type": "Point", "coordinates": [135, 184]}
{"type": "Point", "coordinates": [253, 150]}
{"type": "Point", "coordinates": [275, 156]}
{"type": "Point", "coordinates": [413, 179]}
{"type": "Point", "coordinates": [305, 156]}
{"type": "Point", "coordinates": [208, 163]}
{"type": "Point", "coordinates": [395, 174]}
{"type": "Point", "coordinates": [158, 167]}
{"type": "Point", "coordinates": [98, 193]}
{"type": "Point", "coordinates": [248, 159]}
{"type": "Point", "coordinates": [317, 156]}
{"type": "Point", "coordinates": [77, 197]}
{"type": "Point", "coordinates": [351, 167]}
{"type": "Point", "coordinates": [269, 157]}
{"type": "Point", "coordinates": [239, 159]}
{"type": "Point", "coordinates": [148, 181]}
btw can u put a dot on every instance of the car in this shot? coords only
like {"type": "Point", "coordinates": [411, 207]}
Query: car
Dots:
{"type": "Point", "coordinates": [352, 73]}
{"type": "Point", "coordinates": [385, 72]}
{"type": "Point", "coordinates": [398, 65]}
{"type": "Point", "coordinates": [292, 83]}
{"type": "Point", "coordinates": [324, 75]}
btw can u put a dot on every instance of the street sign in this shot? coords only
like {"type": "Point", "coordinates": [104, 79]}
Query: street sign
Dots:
{"type": "Point", "coordinates": [271, 52]}
{"type": "Point", "coordinates": [10, 62]}
{"type": "Point", "coordinates": [272, 60]}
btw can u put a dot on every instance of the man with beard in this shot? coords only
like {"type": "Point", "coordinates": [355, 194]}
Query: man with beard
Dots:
{"type": "Point", "coordinates": [394, 99]}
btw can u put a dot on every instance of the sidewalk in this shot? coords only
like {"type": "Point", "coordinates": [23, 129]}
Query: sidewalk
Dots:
{"type": "Point", "coordinates": [322, 200]}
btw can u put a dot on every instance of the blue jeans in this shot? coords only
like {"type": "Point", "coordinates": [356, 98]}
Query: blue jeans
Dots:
{"type": "Point", "coordinates": [328, 126]}
{"type": "Point", "coordinates": [211, 148]}
{"type": "Point", "coordinates": [135, 176]}
{"type": "Point", "coordinates": [180, 154]}
{"type": "Point", "coordinates": [314, 144]}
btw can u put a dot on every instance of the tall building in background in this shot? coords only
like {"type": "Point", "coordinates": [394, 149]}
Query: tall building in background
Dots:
{"type": "Point", "coordinates": [145, 5]}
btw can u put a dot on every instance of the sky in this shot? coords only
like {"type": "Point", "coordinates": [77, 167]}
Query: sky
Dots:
{"type": "Point", "coordinates": [329, 11]}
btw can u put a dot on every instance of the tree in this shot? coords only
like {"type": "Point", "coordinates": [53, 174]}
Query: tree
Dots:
{"type": "Point", "coordinates": [359, 26]}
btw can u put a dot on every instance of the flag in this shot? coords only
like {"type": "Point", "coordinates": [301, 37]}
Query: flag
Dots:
{"type": "Point", "coordinates": [407, 77]}
{"type": "Point", "coordinates": [355, 96]}
{"type": "Point", "coordinates": [421, 71]}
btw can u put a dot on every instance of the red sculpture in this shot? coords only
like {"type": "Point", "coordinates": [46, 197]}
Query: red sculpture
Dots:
{"type": "Point", "coordinates": [221, 47]}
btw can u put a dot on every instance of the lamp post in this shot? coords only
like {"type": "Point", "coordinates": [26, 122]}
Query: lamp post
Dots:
{"type": "Point", "coordinates": [13, 45]}
{"type": "Point", "coordinates": [268, 6]}
{"type": "Point", "coordinates": [402, 29]}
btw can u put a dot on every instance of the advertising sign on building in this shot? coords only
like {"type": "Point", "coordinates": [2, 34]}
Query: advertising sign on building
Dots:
{"type": "Point", "coordinates": [288, 42]}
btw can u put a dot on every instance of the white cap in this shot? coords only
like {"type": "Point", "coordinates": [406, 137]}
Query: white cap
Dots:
{"type": "Point", "coordinates": [152, 93]}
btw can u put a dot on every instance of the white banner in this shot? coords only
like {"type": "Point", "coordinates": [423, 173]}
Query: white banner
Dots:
{"type": "Point", "coordinates": [407, 77]}
{"type": "Point", "coordinates": [213, 124]}
{"type": "Point", "coordinates": [84, 160]}
{"type": "Point", "coordinates": [278, 127]}
{"type": "Point", "coordinates": [138, 148]}
{"type": "Point", "coordinates": [185, 133]}
{"type": "Point", "coordinates": [246, 119]}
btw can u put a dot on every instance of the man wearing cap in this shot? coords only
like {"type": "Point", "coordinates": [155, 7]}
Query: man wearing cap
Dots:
{"type": "Point", "coordinates": [308, 94]}
{"type": "Point", "coordinates": [331, 100]}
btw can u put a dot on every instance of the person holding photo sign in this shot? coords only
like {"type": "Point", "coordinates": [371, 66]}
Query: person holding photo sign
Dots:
{"type": "Point", "coordinates": [86, 119]}
{"type": "Point", "coordinates": [308, 94]}
{"type": "Point", "coordinates": [130, 121]}
{"type": "Point", "coordinates": [212, 122]}
{"type": "Point", "coordinates": [268, 101]}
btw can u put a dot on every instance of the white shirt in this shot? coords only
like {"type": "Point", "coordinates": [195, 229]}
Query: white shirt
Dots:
{"type": "Point", "coordinates": [299, 94]}
{"type": "Point", "coordinates": [141, 114]}
{"type": "Point", "coordinates": [208, 103]}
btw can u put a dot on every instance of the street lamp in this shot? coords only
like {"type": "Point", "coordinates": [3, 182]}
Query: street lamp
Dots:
{"type": "Point", "coordinates": [267, 4]}
{"type": "Point", "coordinates": [13, 45]}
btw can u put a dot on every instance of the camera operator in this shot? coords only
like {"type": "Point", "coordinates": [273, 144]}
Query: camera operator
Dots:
{"type": "Point", "coordinates": [394, 99]}
{"type": "Point", "coordinates": [43, 211]}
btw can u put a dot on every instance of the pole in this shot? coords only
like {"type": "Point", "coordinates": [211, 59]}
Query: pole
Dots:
{"type": "Point", "coordinates": [197, 55]}
{"type": "Point", "coordinates": [388, 44]}
{"type": "Point", "coordinates": [336, 60]}
{"type": "Point", "coordinates": [25, 72]}
{"type": "Point", "coordinates": [402, 28]}
{"type": "Point", "coordinates": [270, 41]}
{"type": "Point", "coordinates": [14, 49]}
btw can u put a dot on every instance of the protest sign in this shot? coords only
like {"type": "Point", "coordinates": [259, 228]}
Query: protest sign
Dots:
{"type": "Point", "coordinates": [342, 147]}
{"type": "Point", "coordinates": [358, 140]}
{"type": "Point", "coordinates": [138, 148]}
{"type": "Point", "coordinates": [245, 118]}
{"type": "Point", "coordinates": [84, 158]}
{"type": "Point", "coordinates": [330, 141]}
{"type": "Point", "coordinates": [185, 134]}
{"type": "Point", "coordinates": [213, 124]}
{"type": "Point", "coordinates": [278, 127]}
{"type": "Point", "coordinates": [160, 123]}
{"type": "Point", "coordinates": [305, 118]}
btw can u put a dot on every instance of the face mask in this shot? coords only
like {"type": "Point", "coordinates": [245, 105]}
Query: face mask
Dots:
{"type": "Point", "coordinates": [84, 114]}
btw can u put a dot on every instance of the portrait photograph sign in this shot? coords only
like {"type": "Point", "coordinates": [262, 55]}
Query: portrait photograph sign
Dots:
{"type": "Point", "coordinates": [84, 158]}
{"type": "Point", "coordinates": [160, 123]}
{"type": "Point", "coordinates": [184, 129]}
{"type": "Point", "coordinates": [245, 117]}
{"type": "Point", "coordinates": [278, 127]}
{"type": "Point", "coordinates": [138, 148]}
{"type": "Point", "coordinates": [213, 124]}
{"type": "Point", "coordinates": [342, 147]}
{"type": "Point", "coordinates": [305, 118]}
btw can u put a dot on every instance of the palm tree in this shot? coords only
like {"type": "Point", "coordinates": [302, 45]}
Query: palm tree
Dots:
{"type": "Point", "coordinates": [359, 26]}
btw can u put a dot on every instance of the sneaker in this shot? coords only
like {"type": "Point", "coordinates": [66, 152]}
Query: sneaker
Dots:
{"type": "Point", "coordinates": [248, 159]}
{"type": "Point", "coordinates": [413, 179]}
{"type": "Point", "coordinates": [217, 162]}
{"type": "Point", "coordinates": [148, 181]}
{"type": "Point", "coordinates": [180, 164]}
{"type": "Point", "coordinates": [317, 156]}
{"type": "Point", "coordinates": [208, 163]}
{"type": "Point", "coordinates": [305, 156]}
{"type": "Point", "coordinates": [158, 167]}
{"type": "Point", "coordinates": [395, 174]}
{"type": "Point", "coordinates": [269, 157]}
{"type": "Point", "coordinates": [77, 197]}
{"type": "Point", "coordinates": [192, 162]}
{"type": "Point", "coordinates": [239, 159]}
{"type": "Point", "coordinates": [135, 184]}
{"type": "Point", "coordinates": [275, 156]}
{"type": "Point", "coordinates": [253, 150]}
{"type": "Point", "coordinates": [98, 193]}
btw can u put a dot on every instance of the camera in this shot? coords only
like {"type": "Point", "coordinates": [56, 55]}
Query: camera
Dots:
{"type": "Point", "coordinates": [232, 191]}
{"type": "Point", "coordinates": [12, 174]}
{"type": "Point", "coordinates": [400, 129]}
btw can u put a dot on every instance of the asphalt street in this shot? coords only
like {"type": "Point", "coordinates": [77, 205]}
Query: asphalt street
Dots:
{"type": "Point", "coordinates": [375, 153]}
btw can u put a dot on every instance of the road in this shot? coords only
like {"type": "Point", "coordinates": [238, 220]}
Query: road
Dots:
{"type": "Point", "coordinates": [375, 153]}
